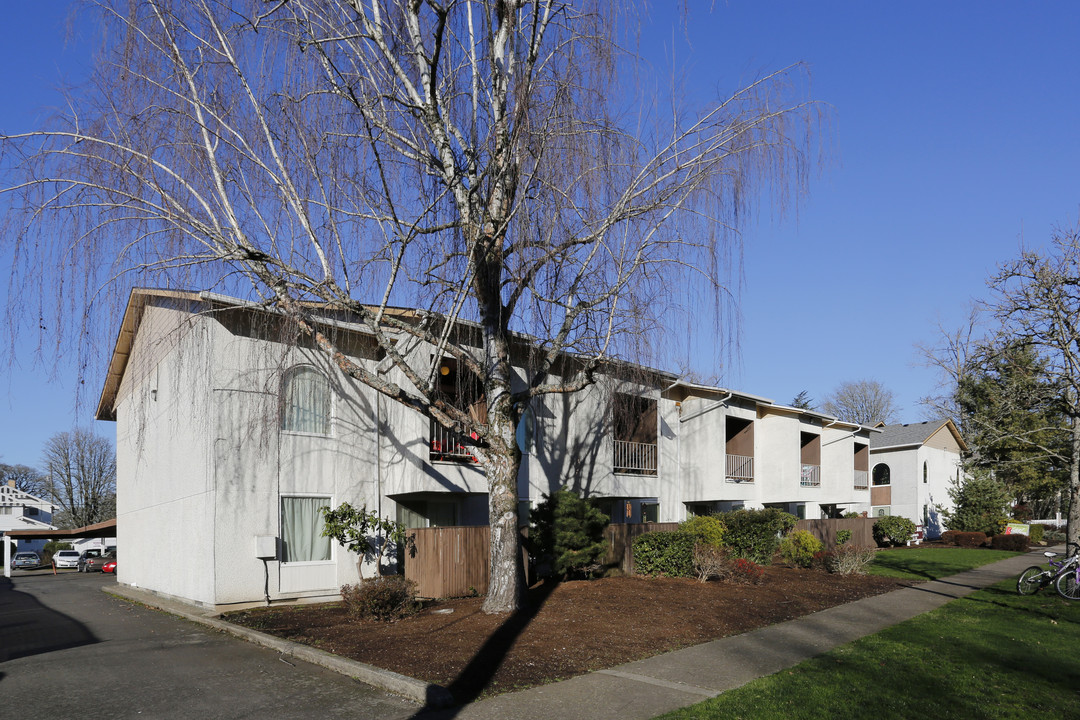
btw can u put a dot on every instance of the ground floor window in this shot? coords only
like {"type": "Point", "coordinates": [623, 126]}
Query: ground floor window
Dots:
{"type": "Point", "coordinates": [880, 511]}
{"type": "Point", "coordinates": [301, 530]}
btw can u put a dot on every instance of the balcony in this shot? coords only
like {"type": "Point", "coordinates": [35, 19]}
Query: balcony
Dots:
{"type": "Point", "coordinates": [862, 479]}
{"type": "Point", "coordinates": [740, 469]}
{"type": "Point", "coordinates": [634, 458]}
{"type": "Point", "coordinates": [448, 446]}
{"type": "Point", "coordinates": [810, 476]}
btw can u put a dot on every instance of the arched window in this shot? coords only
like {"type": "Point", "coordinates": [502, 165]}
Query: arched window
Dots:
{"type": "Point", "coordinates": [924, 472]}
{"type": "Point", "coordinates": [305, 401]}
{"type": "Point", "coordinates": [881, 474]}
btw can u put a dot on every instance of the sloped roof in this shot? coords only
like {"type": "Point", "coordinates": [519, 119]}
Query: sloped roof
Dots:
{"type": "Point", "coordinates": [913, 434]}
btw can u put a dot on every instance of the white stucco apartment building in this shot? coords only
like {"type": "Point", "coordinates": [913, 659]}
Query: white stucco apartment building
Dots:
{"type": "Point", "coordinates": [914, 465]}
{"type": "Point", "coordinates": [230, 437]}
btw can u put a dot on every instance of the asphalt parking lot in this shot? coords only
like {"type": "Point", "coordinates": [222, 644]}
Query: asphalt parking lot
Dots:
{"type": "Point", "coordinates": [69, 650]}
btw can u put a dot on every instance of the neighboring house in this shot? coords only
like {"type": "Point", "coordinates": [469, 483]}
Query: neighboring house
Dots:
{"type": "Point", "coordinates": [20, 510]}
{"type": "Point", "coordinates": [229, 440]}
{"type": "Point", "coordinates": [912, 468]}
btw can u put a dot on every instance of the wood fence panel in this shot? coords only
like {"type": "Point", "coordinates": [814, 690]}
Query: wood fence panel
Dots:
{"type": "Point", "coordinates": [451, 561]}
{"type": "Point", "coordinates": [862, 530]}
{"type": "Point", "coordinates": [620, 538]}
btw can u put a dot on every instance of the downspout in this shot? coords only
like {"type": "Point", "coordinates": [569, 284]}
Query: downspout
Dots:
{"type": "Point", "coordinates": [719, 403]}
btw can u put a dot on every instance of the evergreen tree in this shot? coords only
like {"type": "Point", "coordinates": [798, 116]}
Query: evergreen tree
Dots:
{"type": "Point", "coordinates": [568, 534]}
{"type": "Point", "coordinates": [980, 505]}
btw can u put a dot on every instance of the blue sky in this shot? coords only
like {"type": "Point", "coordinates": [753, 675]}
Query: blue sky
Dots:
{"type": "Point", "coordinates": [953, 128]}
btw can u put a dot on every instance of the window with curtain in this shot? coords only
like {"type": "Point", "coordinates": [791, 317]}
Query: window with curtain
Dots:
{"type": "Point", "coordinates": [301, 530]}
{"type": "Point", "coordinates": [305, 401]}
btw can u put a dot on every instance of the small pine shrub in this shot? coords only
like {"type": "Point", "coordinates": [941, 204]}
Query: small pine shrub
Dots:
{"type": "Point", "coordinates": [970, 539]}
{"type": "Point", "coordinates": [708, 529]}
{"type": "Point", "coordinates": [387, 598]}
{"type": "Point", "coordinates": [755, 534]}
{"type": "Point", "coordinates": [567, 535]}
{"type": "Point", "coordinates": [850, 560]}
{"type": "Point", "coordinates": [798, 548]}
{"type": "Point", "coordinates": [1016, 541]}
{"type": "Point", "coordinates": [664, 553]}
{"type": "Point", "coordinates": [1037, 533]}
{"type": "Point", "coordinates": [893, 530]}
{"type": "Point", "coordinates": [711, 562]}
{"type": "Point", "coordinates": [746, 572]}
{"type": "Point", "coordinates": [843, 537]}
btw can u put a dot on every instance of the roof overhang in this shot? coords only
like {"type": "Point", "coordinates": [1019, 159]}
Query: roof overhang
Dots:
{"type": "Point", "coordinates": [105, 529]}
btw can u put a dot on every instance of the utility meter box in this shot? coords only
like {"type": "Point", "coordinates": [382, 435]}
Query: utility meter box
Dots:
{"type": "Point", "coordinates": [266, 547]}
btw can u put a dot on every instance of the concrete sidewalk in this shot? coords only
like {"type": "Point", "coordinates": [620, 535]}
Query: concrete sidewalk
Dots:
{"type": "Point", "coordinates": [660, 684]}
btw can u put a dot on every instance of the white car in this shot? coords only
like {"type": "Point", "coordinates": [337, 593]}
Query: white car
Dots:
{"type": "Point", "coordinates": [66, 558]}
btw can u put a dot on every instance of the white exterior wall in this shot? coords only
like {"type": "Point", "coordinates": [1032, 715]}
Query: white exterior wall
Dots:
{"type": "Point", "coordinates": [910, 495]}
{"type": "Point", "coordinates": [164, 494]}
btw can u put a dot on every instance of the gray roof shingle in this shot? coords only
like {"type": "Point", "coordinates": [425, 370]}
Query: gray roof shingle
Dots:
{"type": "Point", "coordinates": [906, 433]}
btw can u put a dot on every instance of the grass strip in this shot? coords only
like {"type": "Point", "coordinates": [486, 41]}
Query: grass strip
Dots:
{"type": "Point", "coordinates": [993, 654]}
{"type": "Point", "coordinates": [933, 563]}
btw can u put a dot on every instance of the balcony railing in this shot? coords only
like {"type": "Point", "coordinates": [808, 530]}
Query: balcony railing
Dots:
{"type": "Point", "coordinates": [811, 476]}
{"type": "Point", "coordinates": [862, 479]}
{"type": "Point", "coordinates": [634, 458]}
{"type": "Point", "coordinates": [740, 469]}
{"type": "Point", "coordinates": [449, 446]}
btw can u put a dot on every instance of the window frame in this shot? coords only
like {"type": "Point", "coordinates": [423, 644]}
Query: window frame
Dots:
{"type": "Point", "coordinates": [283, 401]}
{"type": "Point", "coordinates": [873, 475]}
{"type": "Point", "coordinates": [281, 529]}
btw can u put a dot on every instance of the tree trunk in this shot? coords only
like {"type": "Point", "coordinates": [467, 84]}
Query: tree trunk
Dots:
{"type": "Point", "coordinates": [1072, 531]}
{"type": "Point", "coordinates": [507, 576]}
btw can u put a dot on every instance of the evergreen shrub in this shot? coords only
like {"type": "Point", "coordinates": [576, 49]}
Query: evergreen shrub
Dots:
{"type": "Point", "coordinates": [755, 534]}
{"type": "Point", "coordinates": [1015, 541]}
{"type": "Point", "coordinates": [893, 530]}
{"type": "Point", "coordinates": [970, 539]}
{"type": "Point", "coordinates": [799, 547]}
{"type": "Point", "coordinates": [567, 535]}
{"type": "Point", "coordinates": [1037, 533]}
{"type": "Point", "coordinates": [843, 537]}
{"type": "Point", "coordinates": [664, 553]}
{"type": "Point", "coordinates": [708, 529]}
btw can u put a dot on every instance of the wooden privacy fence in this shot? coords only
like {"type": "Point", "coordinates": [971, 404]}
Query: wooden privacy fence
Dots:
{"type": "Point", "coordinates": [453, 561]}
{"type": "Point", "coordinates": [862, 530]}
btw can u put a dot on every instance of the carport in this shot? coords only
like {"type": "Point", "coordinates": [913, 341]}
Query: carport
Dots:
{"type": "Point", "coordinates": [104, 529]}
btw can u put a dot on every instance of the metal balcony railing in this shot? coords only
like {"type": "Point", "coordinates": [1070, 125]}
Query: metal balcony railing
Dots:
{"type": "Point", "coordinates": [862, 479]}
{"type": "Point", "coordinates": [811, 476]}
{"type": "Point", "coordinates": [635, 458]}
{"type": "Point", "coordinates": [448, 446]}
{"type": "Point", "coordinates": [740, 469]}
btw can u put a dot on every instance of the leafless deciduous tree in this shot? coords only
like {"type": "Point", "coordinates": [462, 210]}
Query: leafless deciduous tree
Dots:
{"type": "Point", "coordinates": [861, 401]}
{"type": "Point", "coordinates": [25, 478]}
{"type": "Point", "coordinates": [475, 159]}
{"type": "Point", "coordinates": [80, 477]}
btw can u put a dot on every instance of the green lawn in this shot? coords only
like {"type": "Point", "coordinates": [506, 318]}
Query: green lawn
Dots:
{"type": "Point", "coordinates": [993, 655]}
{"type": "Point", "coordinates": [924, 563]}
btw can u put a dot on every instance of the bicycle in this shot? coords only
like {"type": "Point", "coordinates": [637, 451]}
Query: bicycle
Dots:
{"type": "Point", "coordinates": [1064, 575]}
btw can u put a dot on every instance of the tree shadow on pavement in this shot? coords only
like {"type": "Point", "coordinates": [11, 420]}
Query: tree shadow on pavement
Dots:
{"type": "Point", "coordinates": [476, 676]}
{"type": "Point", "coordinates": [29, 628]}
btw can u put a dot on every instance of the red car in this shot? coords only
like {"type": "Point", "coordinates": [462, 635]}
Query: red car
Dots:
{"type": "Point", "coordinates": [109, 567]}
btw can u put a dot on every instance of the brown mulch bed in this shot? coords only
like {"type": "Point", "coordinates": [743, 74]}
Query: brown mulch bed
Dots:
{"type": "Point", "coordinates": [563, 630]}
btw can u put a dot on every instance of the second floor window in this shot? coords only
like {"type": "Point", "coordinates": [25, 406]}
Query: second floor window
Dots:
{"type": "Point", "coordinates": [634, 424]}
{"type": "Point", "coordinates": [881, 474]}
{"type": "Point", "coordinates": [305, 401]}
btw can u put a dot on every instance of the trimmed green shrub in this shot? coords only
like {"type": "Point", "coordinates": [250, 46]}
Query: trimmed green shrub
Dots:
{"type": "Point", "coordinates": [708, 529]}
{"type": "Point", "coordinates": [893, 530]}
{"type": "Point", "coordinates": [799, 547]}
{"type": "Point", "coordinates": [664, 553]}
{"type": "Point", "coordinates": [386, 598]}
{"type": "Point", "coordinates": [843, 537]}
{"type": "Point", "coordinates": [980, 504]}
{"type": "Point", "coordinates": [755, 534]}
{"type": "Point", "coordinates": [1014, 541]}
{"type": "Point", "coordinates": [970, 539]}
{"type": "Point", "coordinates": [567, 534]}
{"type": "Point", "coordinates": [1037, 533]}
{"type": "Point", "coordinates": [851, 515]}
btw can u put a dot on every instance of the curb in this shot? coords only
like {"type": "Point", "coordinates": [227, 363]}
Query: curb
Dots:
{"type": "Point", "coordinates": [426, 694]}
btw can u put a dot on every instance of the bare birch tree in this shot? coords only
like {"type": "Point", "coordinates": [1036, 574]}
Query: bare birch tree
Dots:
{"type": "Point", "coordinates": [80, 477]}
{"type": "Point", "coordinates": [474, 159]}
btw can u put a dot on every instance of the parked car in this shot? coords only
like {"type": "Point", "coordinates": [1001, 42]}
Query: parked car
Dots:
{"type": "Point", "coordinates": [93, 559]}
{"type": "Point", "coordinates": [109, 567]}
{"type": "Point", "coordinates": [66, 558]}
{"type": "Point", "coordinates": [26, 560]}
